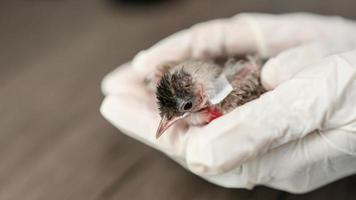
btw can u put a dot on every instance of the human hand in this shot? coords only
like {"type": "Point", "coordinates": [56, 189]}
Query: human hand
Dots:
{"type": "Point", "coordinates": [296, 137]}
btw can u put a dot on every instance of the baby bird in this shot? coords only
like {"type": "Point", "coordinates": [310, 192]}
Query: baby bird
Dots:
{"type": "Point", "coordinates": [200, 91]}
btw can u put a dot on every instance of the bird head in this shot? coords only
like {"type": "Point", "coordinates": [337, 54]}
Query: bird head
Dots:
{"type": "Point", "coordinates": [178, 93]}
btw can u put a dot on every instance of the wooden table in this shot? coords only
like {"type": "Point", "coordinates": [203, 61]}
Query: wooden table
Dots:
{"type": "Point", "coordinates": [54, 144]}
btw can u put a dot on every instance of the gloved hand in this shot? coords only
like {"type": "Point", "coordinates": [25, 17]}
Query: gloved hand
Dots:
{"type": "Point", "coordinates": [297, 137]}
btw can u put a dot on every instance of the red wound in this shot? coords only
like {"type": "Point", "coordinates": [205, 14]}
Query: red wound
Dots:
{"type": "Point", "coordinates": [213, 113]}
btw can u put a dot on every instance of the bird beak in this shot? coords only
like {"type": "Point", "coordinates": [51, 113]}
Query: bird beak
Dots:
{"type": "Point", "coordinates": [166, 123]}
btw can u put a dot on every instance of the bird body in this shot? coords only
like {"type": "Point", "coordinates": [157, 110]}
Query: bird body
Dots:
{"type": "Point", "coordinates": [200, 91]}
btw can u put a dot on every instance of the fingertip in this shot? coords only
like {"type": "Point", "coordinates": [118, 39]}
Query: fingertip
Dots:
{"type": "Point", "coordinates": [124, 79]}
{"type": "Point", "coordinates": [142, 63]}
{"type": "Point", "coordinates": [269, 74]}
{"type": "Point", "coordinates": [110, 80]}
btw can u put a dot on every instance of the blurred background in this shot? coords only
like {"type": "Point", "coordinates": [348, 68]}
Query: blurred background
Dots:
{"type": "Point", "coordinates": [54, 144]}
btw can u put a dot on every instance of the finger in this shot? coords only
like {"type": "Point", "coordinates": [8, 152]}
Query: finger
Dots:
{"type": "Point", "coordinates": [205, 40]}
{"type": "Point", "coordinates": [309, 163]}
{"type": "Point", "coordinates": [306, 103]}
{"type": "Point", "coordinates": [137, 116]}
{"type": "Point", "coordinates": [262, 34]}
{"type": "Point", "coordinates": [299, 166]}
{"type": "Point", "coordinates": [130, 107]}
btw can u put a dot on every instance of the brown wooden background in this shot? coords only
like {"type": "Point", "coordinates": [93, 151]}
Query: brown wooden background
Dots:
{"type": "Point", "coordinates": [53, 142]}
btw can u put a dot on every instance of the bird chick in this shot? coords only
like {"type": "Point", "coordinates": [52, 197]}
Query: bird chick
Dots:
{"type": "Point", "coordinates": [200, 91]}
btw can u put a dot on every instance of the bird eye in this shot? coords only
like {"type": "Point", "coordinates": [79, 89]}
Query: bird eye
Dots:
{"type": "Point", "coordinates": [187, 106]}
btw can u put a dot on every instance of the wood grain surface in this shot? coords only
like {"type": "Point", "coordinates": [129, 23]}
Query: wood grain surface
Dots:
{"type": "Point", "coordinates": [54, 144]}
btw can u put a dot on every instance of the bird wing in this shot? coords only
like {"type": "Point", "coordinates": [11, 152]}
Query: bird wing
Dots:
{"type": "Point", "coordinates": [244, 77]}
{"type": "Point", "coordinates": [241, 67]}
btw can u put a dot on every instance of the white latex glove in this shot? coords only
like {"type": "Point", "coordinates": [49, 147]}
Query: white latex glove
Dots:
{"type": "Point", "coordinates": [297, 137]}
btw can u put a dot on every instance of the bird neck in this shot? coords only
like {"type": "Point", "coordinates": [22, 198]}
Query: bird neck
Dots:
{"type": "Point", "coordinates": [213, 113]}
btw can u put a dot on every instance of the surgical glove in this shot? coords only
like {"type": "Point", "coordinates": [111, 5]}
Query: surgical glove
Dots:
{"type": "Point", "coordinates": [296, 137]}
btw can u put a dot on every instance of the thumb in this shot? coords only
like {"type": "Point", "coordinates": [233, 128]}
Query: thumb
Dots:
{"type": "Point", "coordinates": [288, 63]}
